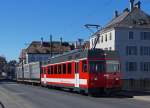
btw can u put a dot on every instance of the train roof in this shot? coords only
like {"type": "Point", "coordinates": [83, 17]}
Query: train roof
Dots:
{"type": "Point", "coordinates": [81, 54]}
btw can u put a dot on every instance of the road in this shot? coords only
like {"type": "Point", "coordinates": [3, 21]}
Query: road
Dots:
{"type": "Point", "coordinates": [13, 95]}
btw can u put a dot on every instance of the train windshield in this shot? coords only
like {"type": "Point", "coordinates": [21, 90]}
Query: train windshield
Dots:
{"type": "Point", "coordinates": [97, 66]}
{"type": "Point", "coordinates": [112, 66]}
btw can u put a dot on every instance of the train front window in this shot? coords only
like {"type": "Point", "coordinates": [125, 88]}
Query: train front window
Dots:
{"type": "Point", "coordinates": [112, 66]}
{"type": "Point", "coordinates": [97, 66]}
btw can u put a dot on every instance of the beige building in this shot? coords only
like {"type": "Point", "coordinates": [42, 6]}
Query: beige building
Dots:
{"type": "Point", "coordinates": [129, 34]}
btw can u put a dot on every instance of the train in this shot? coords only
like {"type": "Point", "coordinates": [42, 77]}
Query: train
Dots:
{"type": "Point", "coordinates": [89, 71]}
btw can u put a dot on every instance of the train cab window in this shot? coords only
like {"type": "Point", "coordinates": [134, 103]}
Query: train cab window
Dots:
{"type": "Point", "coordinates": [69, 68]}
{"type": "Point", "coordinates": [64, 68]}
{"type": "Point", "coordinates": [97, 66]}
{"type": "Point", "coordinates": [84, 66]}
{"type": "Point", "coordinates": [49, 70]}
{"type": "Point", "coordinates": [52, 71]}
{"type": "Point", "coordinates": [59, 69]}
{"type": "Point", "coordinates": [113, 66]}
{"type": "Point", "coordinates": [55, 69]}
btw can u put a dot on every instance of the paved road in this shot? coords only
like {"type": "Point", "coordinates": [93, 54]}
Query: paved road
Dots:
{"type": "Point", "coordinates": [14, 95]}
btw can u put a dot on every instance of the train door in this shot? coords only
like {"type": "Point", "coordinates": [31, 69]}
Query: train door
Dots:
{"type": "Point", "coordinates": [44, 75]}
{"type": "Point", "coordinates": [77, 80]}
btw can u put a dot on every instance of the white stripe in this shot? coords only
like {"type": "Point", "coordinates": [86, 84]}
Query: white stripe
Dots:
{"type": "Point", "coordinates": [63, 80]}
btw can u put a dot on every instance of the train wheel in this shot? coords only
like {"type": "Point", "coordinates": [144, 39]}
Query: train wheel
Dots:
{"type": "Point", "coordinates": [71, 89]}
{"type": "Point", "coordinates": [82, 92]}
{"type": "Point", "coordinates": [108, 92]}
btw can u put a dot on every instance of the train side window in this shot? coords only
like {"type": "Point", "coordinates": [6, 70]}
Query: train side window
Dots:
{"type": "Point", "coordinates": [69, 68]}
{"type": "Point", "coordinates": [55, 69]}
{"type": "Point", "coordinates": [49, 70]}
{"type": "Point", "coordinates": [84, 66]}
{"type": "Point", "coordinates": [41, 70]}
{"type": "Point", "coordinates": [64, 68]}
{"type": "Point", "coordinates": [52, 71]}
{"type": "Point", "coordinates": [44, 70]}
{"type": "Point", "coordinates": [59, 69]}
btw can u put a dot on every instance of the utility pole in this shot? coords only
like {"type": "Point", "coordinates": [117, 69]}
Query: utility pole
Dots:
{"type": "Point", "coordinates": [51, 45]}
{"type": "Point", "coordinates": [60, 45]}
{"type": "Point", "coordinates": [22, 65]}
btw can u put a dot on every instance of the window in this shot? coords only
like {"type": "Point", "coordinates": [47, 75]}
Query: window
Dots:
{"type": "Point", "coordinates": [110, 37]}
{"type": "Point", "coordinates": [145, 50]}
{"type": "Point", "coordinates": [69, 68]}
{"type": "Point", "coordinates": [92, 42]}
{"type": "Point", "coordinates": [84, 66]}
{"type": "Point", "coordinates": [44, 70]}
{"type": "Point", "coordinates": [64, 68]}
{"type": "Point", "coordinates": [145, 66]}
{"type": "Point", "coordinates": [52, 71]}
{"type": "Point", "coordinates": [106, 37]}
{"type": "Point", "coordinates": [59, 69]}
{"type": "Point", "coordinates": [55, 69]}
{"type": "Point", "coordinates": [145, 35]}
{"type": "Point", "coordinates": [49, 70]}
{"type": "Point", "coordinates": [131, 50]}
{"type": "Point", "coordinates": [102, 39]}
{"type": "Point", "coordinates": [112, 66]}
{"type": "Point", "coordinates": [98, 38]}
{"type": "Point", "coordinates": [106, 48]}
{"type": "Point", "coordinates": [131, 66]}
{"type": "Point", "coordinates": [131, 35]}
{"type": "Point", "coordinates": [110, 48]}
{"type": "Point", "coordinates": [97, 66]}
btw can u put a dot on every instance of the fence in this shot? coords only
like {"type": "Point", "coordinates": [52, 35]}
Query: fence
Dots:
{"type": "Point", "coordinates": [136, 84]}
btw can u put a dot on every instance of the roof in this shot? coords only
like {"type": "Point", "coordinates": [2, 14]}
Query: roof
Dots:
{"type": "Point", "coordinates": [135, 19]}
{"type": "Point", "coordinates": [38, 47]}
{"type": "Point", "coordinates": [87, 53]}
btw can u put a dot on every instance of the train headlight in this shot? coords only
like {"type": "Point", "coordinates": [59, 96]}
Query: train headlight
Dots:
{"type": "Point", "coordinates": [106, 75]}
{"type": "Point", "coordinates": [95, 78]}
{"type": "Point", "coordinates": [117, 79]}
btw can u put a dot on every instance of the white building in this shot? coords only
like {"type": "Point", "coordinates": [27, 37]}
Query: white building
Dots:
{"type": "Point", "coordinates": [129, 34]}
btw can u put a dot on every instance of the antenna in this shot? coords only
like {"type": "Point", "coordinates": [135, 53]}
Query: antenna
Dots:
{"type": "Point", "coordinates": [90, 27]}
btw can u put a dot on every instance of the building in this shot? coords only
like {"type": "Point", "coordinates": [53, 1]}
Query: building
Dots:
{"type": "Point", "coordinates": [82, 44]}
{"type": "Point", "coordinates": [41, 51]}
{"type": "Point", "coordinates": [129, 34]}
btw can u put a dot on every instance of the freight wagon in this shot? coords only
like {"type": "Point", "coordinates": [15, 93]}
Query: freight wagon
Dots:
{"type": "Point", "coordinates": [29, 73]}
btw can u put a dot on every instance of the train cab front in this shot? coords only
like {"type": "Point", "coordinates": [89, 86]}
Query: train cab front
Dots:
{"type": "Point", "coordinates": [104, 75]}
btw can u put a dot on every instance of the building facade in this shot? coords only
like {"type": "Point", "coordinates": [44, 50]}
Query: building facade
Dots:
{"type": "Point", "coordinates": [39, 51]}
{"type": "Point", "coordinates": [129, 34]}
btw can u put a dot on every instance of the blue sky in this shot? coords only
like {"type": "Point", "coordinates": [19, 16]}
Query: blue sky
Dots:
{"type": "Point", "coordinates": [22, 21]}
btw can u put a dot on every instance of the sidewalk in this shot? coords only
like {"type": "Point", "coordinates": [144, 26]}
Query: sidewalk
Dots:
{"type": "Point", "coordinates": [138, 95]}
{"type": "Point", "coordinates": [144, 98]}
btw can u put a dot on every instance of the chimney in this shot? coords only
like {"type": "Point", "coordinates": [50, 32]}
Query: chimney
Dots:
{"type": "Point", "coordinates": [126, 10]}
{"type": "Point", "coordinates": [116, 14]}
{"type": "Point", "coordinates": [42, 41]}
{"type": "Point", "coordinates": [131, 5]}
{"type": "Point", "coordinates": [138, 5]}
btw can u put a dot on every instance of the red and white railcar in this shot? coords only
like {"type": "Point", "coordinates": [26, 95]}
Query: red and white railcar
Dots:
{"type": "Point", "coordinates": [88, 71]}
